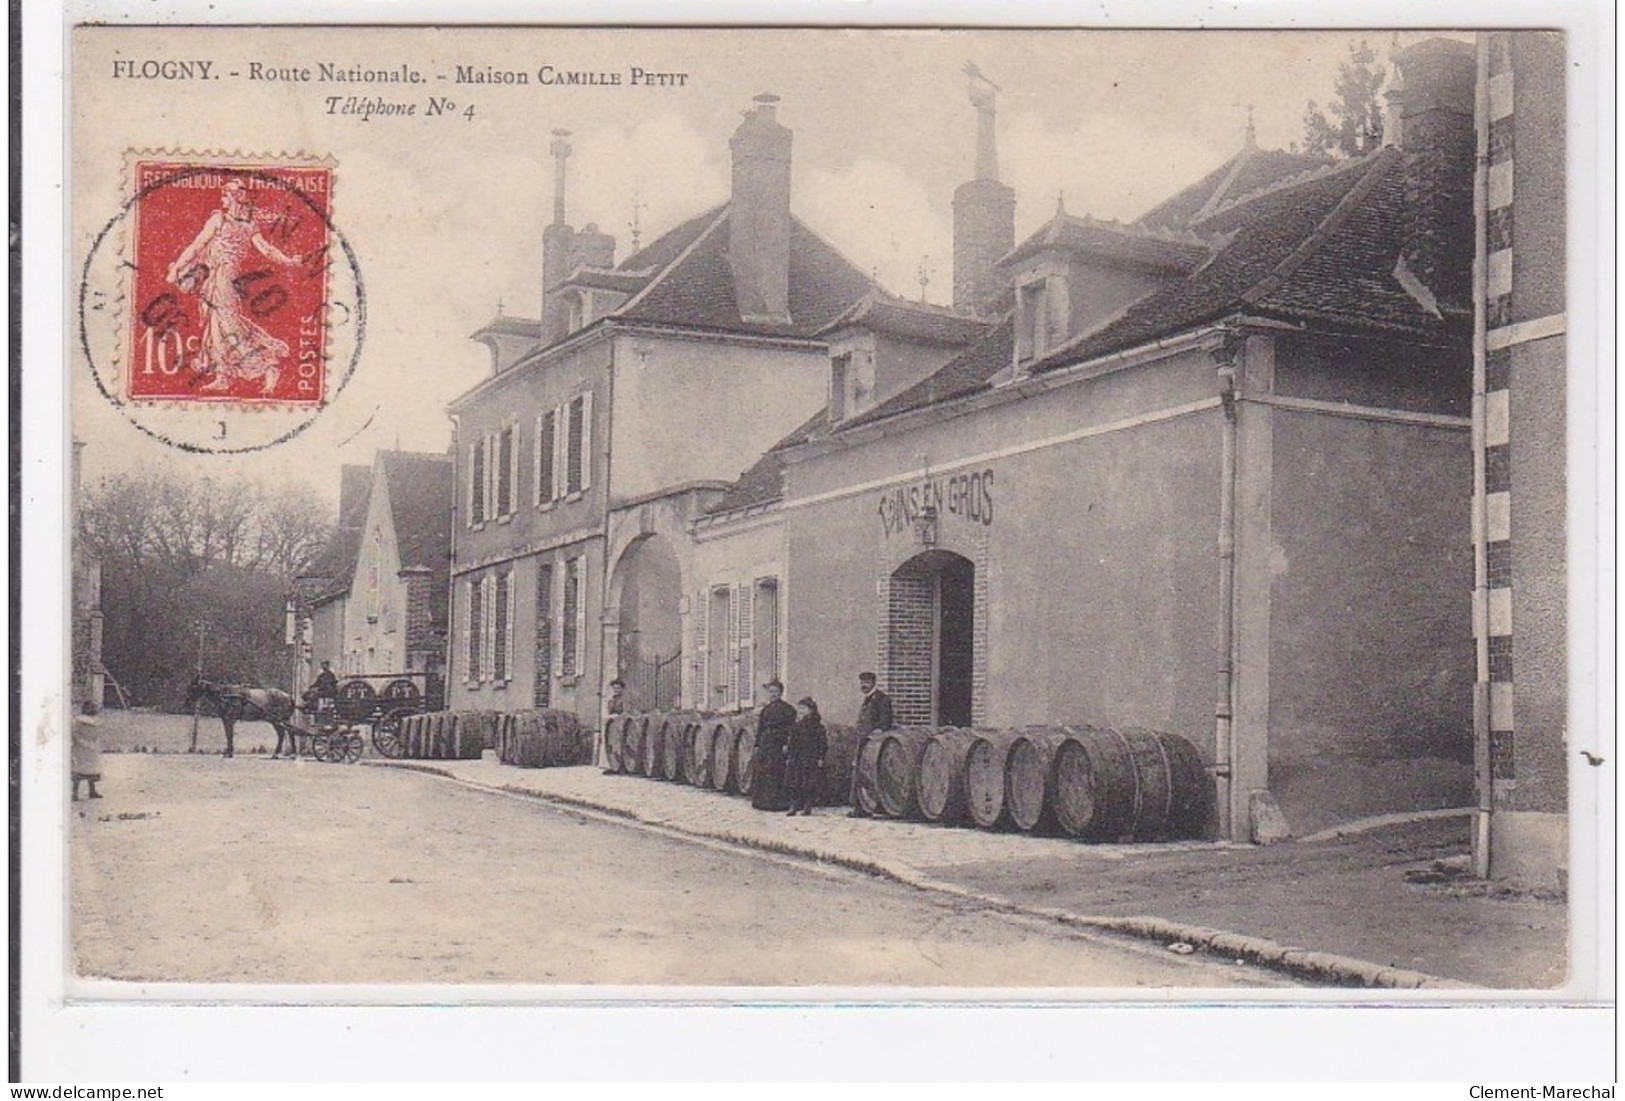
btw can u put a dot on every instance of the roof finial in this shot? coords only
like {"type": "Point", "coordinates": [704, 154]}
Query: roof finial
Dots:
{"type": "Point", "coordinates": [924, 275]}
{"type": "Point", "coordinates": [1251, 140]}
{"type": "Point", "coordinates": [1060, 204]}
{"type": "Point", "coordinates": [499, 305]}
{"type": "Point", "coordinates": [638, 207]}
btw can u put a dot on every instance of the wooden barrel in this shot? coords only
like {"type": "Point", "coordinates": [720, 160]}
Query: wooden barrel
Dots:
{"type": "Point", "coordinates": [699, 758]}
{"type": "Point", "coordinates": [745, 757]}
{"type": "Point", "coordinates": [897, 771]}
{"type": "Point", "coordinates": [723, 735]}
{"type": "Point", "coordinates": [614, 729]}
{"type": "Point", "coordinates": [984, 778]}
{"type": "Point", "coordinates": [1029, 778]}
{"type": "Point", "coordinates": [654, 747]}
{"type": "Point", "coordinates": [868, 791]}
{"type": "Point", "coordinates": [551, 739]}
{"type": "Point", "coordinates": [942, 776]}
{"type": "Point", "coordinates": [839, 760]}
{"type": "Point", "coordinates": [440, 731]}
{"type": "Point", "coordinates": [671, 745]}
{"type": "Point", "coordinates": [632, 740]}
{"type": "Point", "coordinates": [685, 748]}
{"type": "Point", "coordinates": [1119, 785]}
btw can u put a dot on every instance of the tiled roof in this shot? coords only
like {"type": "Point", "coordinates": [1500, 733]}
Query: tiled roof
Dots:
{"type": "Point", "coordinates": [335, 565]}
{"type": "Point", "coordinates": [1158, 248]}
{"type": "Point", "coordinates": [1248, 171]}
{"type": "Point", "coordinates": [421, 501]}
{"type": "Point", "coordinates": [763, 482]}
{"type": "Point", "coordinates": [696, 290]}
{"type": "Point", "coordinates": [966, 373]}
{"type": "Point", "coordinates": [1321, 249]}
{"type": "Point", "coordinates": [917, 322]}
{"type": "Point", "coordinates": [503, 325]}
{"type": "Point", "coordinates": [670, 245]}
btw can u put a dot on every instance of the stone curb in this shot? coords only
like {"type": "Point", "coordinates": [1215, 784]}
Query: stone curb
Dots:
{"type": "Point", "coordinates": [1326, 968]}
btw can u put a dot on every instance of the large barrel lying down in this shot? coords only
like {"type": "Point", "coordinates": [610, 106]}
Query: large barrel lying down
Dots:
{"type": "Point", "coordinates": [722, 737]}
{"type": "Point", "coordinates": [1029, 778]}
{"type": "Point", "coordinates": [838, 761]}
{"type": "Point", "coordinates": [1131, 784]}
{"type": "Point", "coordinates": [654, 747]}
{"type": "Point", "coordinates": [868, 787]}
{"type": "Point", "coordinates": [633, 735]}
{"type": "Point", "coordinates": [744, 766]}
{"type": "Point", "coordinates": [672, 728]}
{"type": "Point", "coordinates": [985, 763]}
{"type": "Point", "coordinates": [544, 739]}
{"type": "Point", "coordinates": [942, 776]}
{"type": "Point", "coordinates": [897, 770]}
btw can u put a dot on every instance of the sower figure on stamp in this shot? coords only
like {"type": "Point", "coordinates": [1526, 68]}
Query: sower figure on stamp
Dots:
{"type": "Point", "coordinates": [773, 725]}
{"type": "Point", "coordinates": [213, 267]}
{"type": "Point", "coordinates": [804, 757]}
{"type": "Point", "coordinates": [874, 714]}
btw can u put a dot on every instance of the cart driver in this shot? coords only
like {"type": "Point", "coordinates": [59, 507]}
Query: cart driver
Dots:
{"type": "Point", "coordinates": [325, 689]}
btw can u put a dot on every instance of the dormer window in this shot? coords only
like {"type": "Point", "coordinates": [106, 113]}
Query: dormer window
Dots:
{"type": "Point", "coordinates": [851, 383]}
{"type": "Point", "coordinates": [1041, 317]}
{"type": "Point", "coordinates": [578, 313]}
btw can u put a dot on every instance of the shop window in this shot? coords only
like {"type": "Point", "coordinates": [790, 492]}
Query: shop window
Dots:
{"type": "Point", "coordinates": [765, 631]}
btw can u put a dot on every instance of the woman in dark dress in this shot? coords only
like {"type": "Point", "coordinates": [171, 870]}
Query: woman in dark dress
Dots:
{"type": "Point", "coordinates": [773, 725]}
{"type": "Point", "coordinates": [804, 756]}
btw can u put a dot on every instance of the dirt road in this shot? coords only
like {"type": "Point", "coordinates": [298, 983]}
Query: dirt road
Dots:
{"type": "Point", "coordinates": [195, 868]}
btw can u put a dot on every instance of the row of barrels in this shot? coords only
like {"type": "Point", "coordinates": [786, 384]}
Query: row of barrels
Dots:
{"type": "Point", "coordinates": [448, 735]}
{"type": "Point", "coordinates": [543, 739]}
{"type": "Point", "coordinates": [712, 751]}
{"type": "Point", "coordinates": [529, 739]}
{"type": "Point", "coordinates": [1092, 783]}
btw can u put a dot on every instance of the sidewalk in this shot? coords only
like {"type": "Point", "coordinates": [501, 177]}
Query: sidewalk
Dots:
{"type": "Point", "coordinates": [1386, 907]}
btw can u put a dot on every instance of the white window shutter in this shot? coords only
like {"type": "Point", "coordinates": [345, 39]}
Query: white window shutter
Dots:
{"type": "Point", "coordinates": [733, 646]}
{"type": "Point", "coordinates": [586, 440]}
{"type": "Point", "coordinates": [561, 430]}
{"type": "Point", "coordinates": [536, 489]}
{"type": "Point", "coordinates": [492, 457]}
{"type": "Point", "coordinates": [747, 654]}
{"type": "Point", "coordinates": [472, 465]}
{"type": "Point", "coordinates": [468, 630]}
{"type": "Point", "coordinates": [507, 639]}
{"type": "Point", "coordinates": [702, 674]}
{"type": "Point", "coordinates": [581, 615]}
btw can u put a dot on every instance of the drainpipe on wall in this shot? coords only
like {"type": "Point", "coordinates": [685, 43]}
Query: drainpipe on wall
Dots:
{"type": "Point", "coordinates": [1223, 708]}
{"type": "Point", "coordinates": [1482, 769]}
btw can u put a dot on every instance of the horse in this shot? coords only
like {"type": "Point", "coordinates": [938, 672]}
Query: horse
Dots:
{"type": "Point", "coordinates": [233, 702]}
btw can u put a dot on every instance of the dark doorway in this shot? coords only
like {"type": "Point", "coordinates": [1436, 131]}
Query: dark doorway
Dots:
{"type": "Point", "coordinates": [931, 636]}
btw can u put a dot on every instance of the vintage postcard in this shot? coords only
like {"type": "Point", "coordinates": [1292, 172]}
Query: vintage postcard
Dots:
{"type": "Point", "coordinates": [570, 514]}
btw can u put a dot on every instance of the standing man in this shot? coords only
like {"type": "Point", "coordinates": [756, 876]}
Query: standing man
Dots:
{"type": "Point", "coordinates": [874, 714]}
{"type": "Point", "coordinates": [324, 690]}
{"type": "Point", "coordinates": [614, 704]}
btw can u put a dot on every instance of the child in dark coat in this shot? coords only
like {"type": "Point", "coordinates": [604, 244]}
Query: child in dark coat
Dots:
{"type": "Point", "coordinates": [804, 754]}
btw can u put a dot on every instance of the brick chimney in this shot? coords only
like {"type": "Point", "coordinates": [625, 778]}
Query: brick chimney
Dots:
{"type": "Point", "coordinates": [759, 216]}
{"type": "Point", "coordinates": [984, 209]}
{"type": "Point", "coordinates": [558, 247]}
{"type": "Point", "coordinates": [1433, 110]}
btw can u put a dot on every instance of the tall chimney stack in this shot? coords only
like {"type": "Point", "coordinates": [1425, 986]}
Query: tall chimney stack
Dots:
{"type": "Point", "coordinates": [984, 209]}
{"type": "Point", "coordinates": [1433, 99]}
{"type": "Point", "coordinates": [558, 247]}
{"type": "Point", "coordinates": [759, 216]}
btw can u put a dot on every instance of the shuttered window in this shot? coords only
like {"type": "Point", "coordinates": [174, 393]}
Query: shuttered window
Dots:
{"type": "Point", "coordinates": [476, 632]}
{"type": "Point", "coordinates": [476, 482]}
{"type": "Point", "coordinates": [570, 641]}
{"type": "Point", "coordinates": [542, 692]}
{"type": "Point", "coordinates": [505, 471]}
{"type": "Point", "coordinates": [546, 446]}
{"type": "Point", "coordinates": [502, 615]}
{"type": "Point", "coordinates": [576, 457]}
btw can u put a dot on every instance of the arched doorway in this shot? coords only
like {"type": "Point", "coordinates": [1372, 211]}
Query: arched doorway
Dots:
{"type": "Point", "coordinates": [648, 584]}
{"type": "Point", "coordinates": [931, 628]}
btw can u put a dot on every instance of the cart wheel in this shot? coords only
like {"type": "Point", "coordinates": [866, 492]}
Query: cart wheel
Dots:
{"type": "Point", "coordinates": [348, 748]}
{"type": "Point", "coordinates": [318, 746]}
{"type": "Point", "coordinates": [386, 735]}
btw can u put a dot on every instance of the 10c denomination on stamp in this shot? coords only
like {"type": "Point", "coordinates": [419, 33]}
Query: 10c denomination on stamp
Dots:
{"type": "Point", "coordinates": [220, 309]}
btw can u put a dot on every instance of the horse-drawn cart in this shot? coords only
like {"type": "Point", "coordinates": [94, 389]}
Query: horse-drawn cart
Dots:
{"type": "Point", "coordinates": [376, 701]}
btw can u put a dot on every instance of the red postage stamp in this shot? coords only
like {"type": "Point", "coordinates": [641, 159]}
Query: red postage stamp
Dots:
{"type": "Point", "coordinates": [229, 283]}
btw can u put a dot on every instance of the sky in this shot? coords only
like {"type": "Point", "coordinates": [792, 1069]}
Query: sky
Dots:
{"type": "Point", "coordinates": [446, 216]}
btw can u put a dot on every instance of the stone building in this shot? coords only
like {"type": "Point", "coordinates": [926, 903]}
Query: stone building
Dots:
{"type": "Point", "coordinates": [608, 424]}
{"type": "Point", "coordinates": [1204, 473]}
{"type": "Point", "coordinates": [376, 600]}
